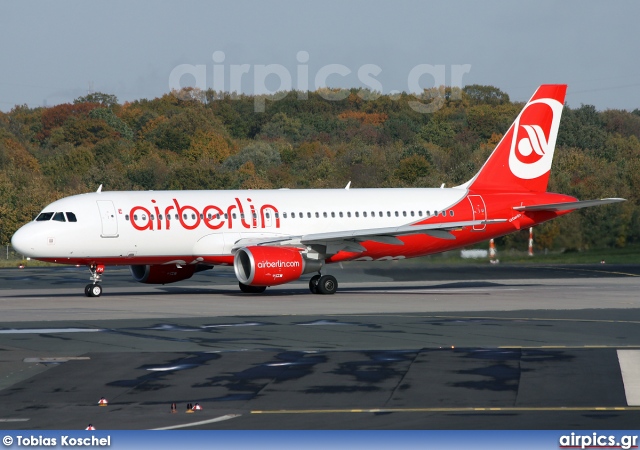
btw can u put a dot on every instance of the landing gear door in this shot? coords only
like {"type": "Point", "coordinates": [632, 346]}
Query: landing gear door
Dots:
{"type": "Point", "coordinates": [108, 218]}
{"type": "Point", "coordinates": [479, 211]}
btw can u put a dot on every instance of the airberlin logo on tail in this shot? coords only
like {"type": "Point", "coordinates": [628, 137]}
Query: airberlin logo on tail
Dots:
{"type": "Point", "coordinates": [534, 138]}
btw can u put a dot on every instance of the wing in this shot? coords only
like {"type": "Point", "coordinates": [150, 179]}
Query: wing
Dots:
{"type": "Point", "coordinates": [349, 240]}
{"type": "Point", "coordinates": [569, 205]}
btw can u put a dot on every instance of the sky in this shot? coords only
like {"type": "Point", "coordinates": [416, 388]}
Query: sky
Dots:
{"type": "Point", "coordinates": [52, 52]}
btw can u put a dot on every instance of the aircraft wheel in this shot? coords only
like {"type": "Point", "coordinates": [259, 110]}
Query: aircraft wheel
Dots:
{"type": "Point", "coordinates": [252, 289]}
{"type": "Point", "coordinates": [93, 290]}
{"type": "Point", "coordinates": [327, 285]}
{"type": "Point", "coordinates": [313, 284]}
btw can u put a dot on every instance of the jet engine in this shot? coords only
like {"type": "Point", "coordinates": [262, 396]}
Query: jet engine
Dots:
{"type": "Point", "coordinates": [270, 266]}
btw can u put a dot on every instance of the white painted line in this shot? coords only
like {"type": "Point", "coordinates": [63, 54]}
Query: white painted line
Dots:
{"type": "Point", "coordinates": [14, 420]}
{"type": "Point", "coordinates": [56, 359]}
{"type": "Point", "coordinates": [203, 422]}
{"type": "Point", "coordinates": [50, 330]}
{"type": "Point", "coordinates": [630, 367]}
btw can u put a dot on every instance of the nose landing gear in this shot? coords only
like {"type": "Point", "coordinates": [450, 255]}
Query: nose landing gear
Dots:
{"type": "Point", "coordinates": [323, 284]}
{"type": "Point", "coordinates": [94, 289]}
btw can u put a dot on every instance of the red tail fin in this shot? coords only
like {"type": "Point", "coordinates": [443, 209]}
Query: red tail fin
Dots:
{"type": "Point", "coordinates": [522, 160]}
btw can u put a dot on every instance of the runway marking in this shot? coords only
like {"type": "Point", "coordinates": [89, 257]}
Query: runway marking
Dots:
{"type": "Point", "coordinates": [525, 347]}
{"type": "Point", "coordinates": [531, 319]}
{"type": "Point", "coordinates": [202, 422]}
{"type": "Point", "coordinates": [49, 330]}
{"type": "Point", "coordinates": [594, 270]}
{"type": "Point", "coordinates": [447, 410]}
{"type": "Point", "coordinates": [13, 420]}
{"type": "Point", "coordinates": [629, 361]}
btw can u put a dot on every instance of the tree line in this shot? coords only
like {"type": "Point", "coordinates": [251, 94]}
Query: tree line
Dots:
{"type": "Point", "coordinates": [211, 140]}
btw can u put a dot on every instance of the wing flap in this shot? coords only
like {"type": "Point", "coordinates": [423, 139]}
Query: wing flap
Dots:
{"type": "Point", "coordinates": [350, 238]}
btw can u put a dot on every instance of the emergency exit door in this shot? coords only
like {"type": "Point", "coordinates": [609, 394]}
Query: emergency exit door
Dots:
{"type": "Point", "coordinates": [108, 218]}
{"type": "Point", "coordinates": [479, 211]}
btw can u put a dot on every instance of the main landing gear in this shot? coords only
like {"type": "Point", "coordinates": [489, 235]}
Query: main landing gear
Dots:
{"type": "Point", "coordinates": [94, 289]}
{"type": "Point", "coordinates": [323, 284]}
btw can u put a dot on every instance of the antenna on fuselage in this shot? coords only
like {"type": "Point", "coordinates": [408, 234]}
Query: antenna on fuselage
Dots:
{"type": "Point", "coordinates": [99, 189]}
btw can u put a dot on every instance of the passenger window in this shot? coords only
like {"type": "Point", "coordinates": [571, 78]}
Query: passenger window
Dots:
{"type": "Point", "coordinates": [293, 215]}
{"type": "Point", "coordinates": [277, 215]}
{"type": "Point", "coordinates": [201, 216]}
{"type": "Point", "coordinates": [168, 216]}
{"type": "Point", "coordinates": [267, 215]}
{"type": "Point", "coordinates": [284, 215]}
{"type": "Point", "coordinates": [451, 213]}
{"type": "Point", "coordinates": [234, 215]}
{"type": "Point", "coordinates": [444, 213]}
{"type": "Point", "coordinates": [388, 213]}
{"type": "Point", "coordinates": [152, 217]}
{"type": "Point", "coordinates": [420, 213]}
{"type": "Point", "coordinates": [364, 214]}
{"type": "Point", "coordinates": [71, 217]}
{"type": "Point", "coordinates": [325, 215]}
{"type": "Point", "coordinates": [242, 216]}
{"type": "Point", "coordinates": [404, 214]}
{"type": "Point", "coordinates": [349, 214]}
{"type": "Point", "coordinates": [309, 215]}
{"type": "Point", "coordinates": [193, 216]}
{"type": "Point", "coordinates": [340, 213]}
{"type": "Point", "coordinates": [412, 215]}
{"type": "Point", "coordinates": [126, 217]}
{"type": "Point", "coordinates": [135, 217]}
{"type": "Point", "coordinates": [358, 214]}
{"type": "Point", "coordinates": [159, 216]}
{"type": "Point", "coordinates": [332, 214]}
{"type": "Point", "coordinates": [44, 216]}
{"type": "Point", "coordinates": [317, 215]}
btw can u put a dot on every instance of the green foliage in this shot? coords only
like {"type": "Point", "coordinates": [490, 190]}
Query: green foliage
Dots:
{"type": "Point", "coordinates": [210, 140]}
{"type": "Point", "coordinates": [106, 100]}
{"type": "Point", "coordinates": [262, 155]}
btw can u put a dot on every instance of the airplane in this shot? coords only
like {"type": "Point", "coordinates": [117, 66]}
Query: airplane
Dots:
{"type": "Point", "coordinates": [272, 237]}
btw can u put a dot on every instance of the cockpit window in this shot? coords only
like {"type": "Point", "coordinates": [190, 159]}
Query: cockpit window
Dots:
{"type": "Point", "coordinates": [44, 216]}
{"type": "Point", "coordinates": [59, 217]}
{"type": "Point", "coordinates": [71, 217]}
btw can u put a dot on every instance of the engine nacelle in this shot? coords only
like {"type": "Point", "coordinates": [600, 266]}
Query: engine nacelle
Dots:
{"type": "Point", "coordinates": [270, 266]}
{"type": "Point", "coordinates": [161, 274]}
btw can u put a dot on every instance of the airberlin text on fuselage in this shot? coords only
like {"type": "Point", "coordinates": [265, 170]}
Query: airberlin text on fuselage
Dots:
{"type": "Point", "coordinates": [212, 216]}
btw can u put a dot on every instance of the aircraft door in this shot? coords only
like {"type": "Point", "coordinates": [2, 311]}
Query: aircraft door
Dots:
{"type": "Point", "coordinates": [108, 218]}
{"type": "Point", "coordinates": [479, 211]}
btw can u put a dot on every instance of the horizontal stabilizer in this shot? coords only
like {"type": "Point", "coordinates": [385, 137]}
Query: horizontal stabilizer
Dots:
{"type": "Point", "coordinates": [569, 205]}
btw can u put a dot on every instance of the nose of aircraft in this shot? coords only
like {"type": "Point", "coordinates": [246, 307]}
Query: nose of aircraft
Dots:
{"type": "Point", "coordinates": [22, 241]}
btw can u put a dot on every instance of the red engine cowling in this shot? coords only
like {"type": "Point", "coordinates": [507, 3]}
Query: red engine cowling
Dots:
{"type": "Point", "coordinates": [270, 266]}
{"type": "Point", "coordinates": [161, 274]}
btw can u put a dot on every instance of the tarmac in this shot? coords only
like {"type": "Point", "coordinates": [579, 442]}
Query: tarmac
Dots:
{"type": "Point", "coordinates": [399, 346]}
